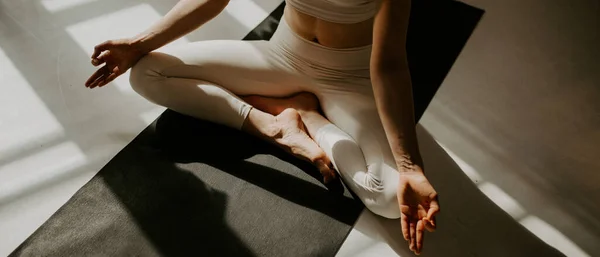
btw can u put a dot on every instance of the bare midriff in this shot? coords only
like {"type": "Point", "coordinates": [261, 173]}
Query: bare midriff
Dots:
{"type": "Point", "coordinates": [329, 34]}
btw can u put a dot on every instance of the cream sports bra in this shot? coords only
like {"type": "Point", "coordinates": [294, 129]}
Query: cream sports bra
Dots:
{"type": "Point", "coordinates": [337, 11]}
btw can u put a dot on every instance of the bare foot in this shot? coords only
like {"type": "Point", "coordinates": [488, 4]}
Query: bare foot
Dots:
{"type": "Point", "coordinates": [287, 131]}
{"type": "Point", "coordinates": [293, 138]}
{"type": "Point", "coordinates": [297, 119]}
{"type": "Point", "coordinates": [305, 103]}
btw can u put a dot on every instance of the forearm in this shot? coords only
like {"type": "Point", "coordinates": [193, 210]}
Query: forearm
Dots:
{"type": "Point", "coordinates": [394, 99]}
{"type": "Point", "coordinates": [186, 16]}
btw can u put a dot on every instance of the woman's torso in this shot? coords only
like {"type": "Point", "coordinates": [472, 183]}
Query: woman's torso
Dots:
{"type": "Point", "coordinates": [329, 34]}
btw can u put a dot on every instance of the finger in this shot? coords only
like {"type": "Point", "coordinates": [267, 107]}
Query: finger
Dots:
{"type": "Point", "coordinates": [100, 48]}
{"type": "Point", "coordinates": [404, 225]}
{"type": "Point", "coordinates": [413, 235]}
{"type": "Point", "coordinates": [96, 62]}
{"type": "Point", "coordinates": [99, 73]}
{"type": "Point", "coordinates": [100, 59]}
{"type": "Point", "coordinates": [98, 81]}
{"type": "Point", "coordinates": [434, 209]}
{"type": "Point", "coordinates": [428, 225]}
{"type": "Point", "coordinates": [108, 79]}
{"type": "Point", "coordinates": [421, 212]}
{"type": "Point", "coordinates": [420, 234]}
{"type": "Point", "coordinates": [101, 81]}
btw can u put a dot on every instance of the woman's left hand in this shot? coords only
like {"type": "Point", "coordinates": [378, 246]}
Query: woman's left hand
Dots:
{"type": "Point", "coordinates": [418, 206]}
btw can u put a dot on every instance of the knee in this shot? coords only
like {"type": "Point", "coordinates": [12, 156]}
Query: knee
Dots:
{"type": "Point", "coordinates": [380, 191]}
{"type": "Point", "coordinates": [375, 184]}
{"type": "Point", "coordinates": [384, 203]}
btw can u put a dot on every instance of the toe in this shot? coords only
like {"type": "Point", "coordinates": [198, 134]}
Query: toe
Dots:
{"type": "Point", "coordinates": [325, 168]}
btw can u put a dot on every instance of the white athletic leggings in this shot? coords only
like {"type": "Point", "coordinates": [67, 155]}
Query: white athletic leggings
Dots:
{"type": "Point", "coordinates": [202, 79]}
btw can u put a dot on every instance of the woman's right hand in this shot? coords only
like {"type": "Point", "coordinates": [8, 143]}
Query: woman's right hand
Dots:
{"type": "Point", "coordinates": [117, 56]}
{"type": "Point", "coordinates": [418, 206]}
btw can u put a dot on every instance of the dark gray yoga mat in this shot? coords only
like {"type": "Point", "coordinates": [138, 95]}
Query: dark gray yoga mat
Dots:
{"type": "Point", "coordinates": [225, 194]}
{"type": "Point", "coordinates": [184, 187]}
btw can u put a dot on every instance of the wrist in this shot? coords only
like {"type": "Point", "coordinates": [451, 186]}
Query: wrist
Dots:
{"type": "Point", "coordinates": [409, 164]}
{"type": "Point", "coordinates": [139, 44]}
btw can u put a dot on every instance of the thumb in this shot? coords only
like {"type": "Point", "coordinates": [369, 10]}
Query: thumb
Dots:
{"type": "Point", "coordinates": [101, 48]}
{"type": "Point", "coordinates": [434, 208]}
{"type": "Point", "coordinates": [100, 59]}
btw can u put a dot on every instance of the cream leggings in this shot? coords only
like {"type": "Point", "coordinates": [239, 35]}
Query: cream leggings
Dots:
{"type": "Point", "coordinates": [202, 79]}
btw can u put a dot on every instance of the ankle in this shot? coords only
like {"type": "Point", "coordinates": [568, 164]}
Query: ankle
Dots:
{"type": "Point", "coordinates": [303, 112]}
{"type": "Point", "coordinates": [308, 115]}
{"type": "Point", "coordinates": [313, 121]}
{"type": "Point", "coordinates": [308, 112]}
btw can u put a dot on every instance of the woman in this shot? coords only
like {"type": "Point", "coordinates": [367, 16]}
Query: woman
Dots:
{"type": "Point", "coordinates": [343, 58]}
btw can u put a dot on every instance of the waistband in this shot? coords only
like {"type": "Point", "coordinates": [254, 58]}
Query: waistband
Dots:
{"type": "Point", "coordinates": [343, 59]}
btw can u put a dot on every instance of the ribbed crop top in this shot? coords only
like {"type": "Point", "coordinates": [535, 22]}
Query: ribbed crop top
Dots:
{"type": "Point", "coordinates": [337, 11]}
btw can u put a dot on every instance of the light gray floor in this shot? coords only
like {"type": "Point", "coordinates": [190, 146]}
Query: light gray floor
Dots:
{"type": "Point", "coordinates": [521, 107]}
{"type": "Point", "coordinates": [519, 113]}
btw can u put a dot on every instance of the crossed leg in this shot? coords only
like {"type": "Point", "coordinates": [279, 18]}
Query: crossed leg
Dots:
{"type": "Point", "coordinates": [205, 79]}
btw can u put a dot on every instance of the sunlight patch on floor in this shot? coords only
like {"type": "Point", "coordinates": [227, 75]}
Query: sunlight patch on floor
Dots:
{"type": "Point", "coordinates": [552, 236]}
{"type": "Point", "coordinates": [34, 170]}
{"type": "Point", "coordinates": [503, 200]}
{"type": "Point", "coordinates": [92, 32]}
{"type": "Point", "coordinates": [60, 5]}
